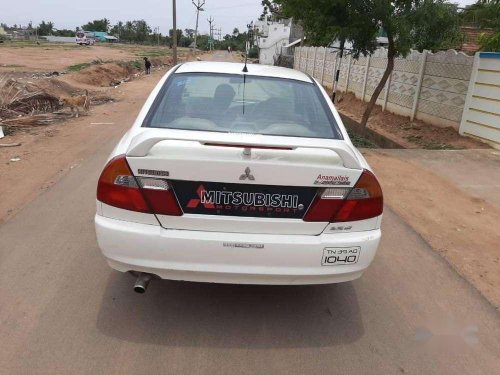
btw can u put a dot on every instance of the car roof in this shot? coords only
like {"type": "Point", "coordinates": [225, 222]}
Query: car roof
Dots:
{"type": "Point", "coordinates": [237, 68]}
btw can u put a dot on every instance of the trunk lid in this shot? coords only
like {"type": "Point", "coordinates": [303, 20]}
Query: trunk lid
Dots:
{"type": "Point", "coordinates": [238, 189]}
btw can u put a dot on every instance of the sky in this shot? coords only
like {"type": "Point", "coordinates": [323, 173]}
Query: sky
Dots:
{"type": "Point", "coordinates": [68, 14]}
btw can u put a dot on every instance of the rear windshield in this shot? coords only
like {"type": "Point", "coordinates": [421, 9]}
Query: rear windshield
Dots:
{"type": "Point", "coordinates": [242, 104]}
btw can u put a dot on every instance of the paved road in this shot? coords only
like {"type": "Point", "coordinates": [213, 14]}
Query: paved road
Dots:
{"type": "Point", "coordinates": [63, 311]}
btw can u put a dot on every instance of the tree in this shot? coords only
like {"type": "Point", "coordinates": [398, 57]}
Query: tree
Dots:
{"type": "Point", "coordinates": [45, 28]}
{"type": "Point", "coordinates": [117, 29]}
{"type": "Point", "coordinates": [171, 34]}
{"type": "Point", "coordinates": [142, 30]}
{"type": "Point", "coordinates": [189, 33]}
{"type": "Point", "coordinates": [270, 10]}
{"type": "Point", "coordinates": [485, 14]}
{"type": "Point", "coordinates": [443, 34]}
{"type": "Point", "coordinates": [64, 32]}
{"type": "Point", "coordinates": [237, 41]}
{"type": "Point", "coordinates": [136, 31]}
{"type": "Point", "coordinates": [97, 25]}
{"type": "Point", "coordinates": [360, 21]}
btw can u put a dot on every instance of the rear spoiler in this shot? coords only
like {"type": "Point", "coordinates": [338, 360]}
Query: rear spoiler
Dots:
{"type": "Point", "coordinates": [142, 143]}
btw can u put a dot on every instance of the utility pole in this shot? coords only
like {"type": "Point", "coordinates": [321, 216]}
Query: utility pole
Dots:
{"type": "Point", "coordinates": [174, 36]}
{"type": "Point", "coordinates": [211, 41]}
{"type": "Point", "coordinates": [249, 42]}
{"type": "Point", "coordinates": [199, 9]}
{"type": "Point", "coordinates": [337, 74]}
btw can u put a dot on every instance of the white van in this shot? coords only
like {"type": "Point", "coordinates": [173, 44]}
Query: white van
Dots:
{"type": "Point", "coordinates": [85, 38]}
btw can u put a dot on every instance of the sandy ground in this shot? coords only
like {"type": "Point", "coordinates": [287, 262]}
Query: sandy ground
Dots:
{"type": "Point", "coordinates": [48, 152]}
{"type": "Point", "coordinates": [53, 57]}
{"type": "Point", "coordinates": [455, 214]}
{"type": "Point", "coordinates": [410, 134]}
{"type": "Point", "coordinates": [16, 58]}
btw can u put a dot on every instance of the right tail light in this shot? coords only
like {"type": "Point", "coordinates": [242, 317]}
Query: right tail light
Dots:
{"type": "Point", "coordinates": [339, 204]}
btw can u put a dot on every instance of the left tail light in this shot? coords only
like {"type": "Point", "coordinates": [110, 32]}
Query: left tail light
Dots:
{"type": "Point", "coordinates": [118, 187]}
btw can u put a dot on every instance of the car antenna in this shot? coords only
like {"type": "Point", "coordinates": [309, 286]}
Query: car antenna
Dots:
{"type": "Point", "coordinates": [247, 49]}
{"type": "Point", "coordinates": [244, 82]}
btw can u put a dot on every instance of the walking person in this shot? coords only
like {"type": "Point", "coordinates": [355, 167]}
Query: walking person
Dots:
{"type": "Point", "coordinates": [147, 65]}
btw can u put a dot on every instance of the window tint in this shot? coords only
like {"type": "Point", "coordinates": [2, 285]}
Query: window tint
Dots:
{"type": "Point", "coordinates": [242, 104]}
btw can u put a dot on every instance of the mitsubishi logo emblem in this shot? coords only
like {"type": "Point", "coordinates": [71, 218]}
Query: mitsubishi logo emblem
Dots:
{"type": "Point", "coordinates": [247, 174]}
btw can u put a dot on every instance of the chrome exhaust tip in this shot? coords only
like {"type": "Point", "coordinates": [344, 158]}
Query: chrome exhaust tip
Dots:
{"type": "Point", "coordinates": [142, 282]}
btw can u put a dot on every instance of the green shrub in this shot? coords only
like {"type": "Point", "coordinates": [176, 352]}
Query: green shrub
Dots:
{"type": "Point", "coordinates": [253, 53]}
{"type": "Point", "coordinates": [490, 43]}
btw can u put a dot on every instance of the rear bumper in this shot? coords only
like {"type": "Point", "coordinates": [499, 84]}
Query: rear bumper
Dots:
{"type": "Point", "coordinates": [216, 257]}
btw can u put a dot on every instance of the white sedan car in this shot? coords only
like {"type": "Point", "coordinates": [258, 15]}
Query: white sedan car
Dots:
{"type": "Point", "coordinates": [235, 176]}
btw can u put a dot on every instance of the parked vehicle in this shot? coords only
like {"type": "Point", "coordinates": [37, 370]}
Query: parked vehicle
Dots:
{"type": "Point", "coordinates": [237, 176]}
{"type": "Point", "coordinates": [85, 38]}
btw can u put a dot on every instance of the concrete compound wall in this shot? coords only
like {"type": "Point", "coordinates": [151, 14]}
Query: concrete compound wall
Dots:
{"type": "Point", "coordinates": [426, 86]}
{"type": "Point", "coordinates": [481, 116]}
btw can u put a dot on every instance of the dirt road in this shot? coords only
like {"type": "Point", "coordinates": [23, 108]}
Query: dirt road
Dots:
{"type": "Point", "coordinates": [64, 311]}
{"type": "Point", "coordinates": [47, 154]}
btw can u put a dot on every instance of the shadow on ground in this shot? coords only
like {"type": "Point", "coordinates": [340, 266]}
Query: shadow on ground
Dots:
{"type": "Point", "coordinates": [233, 316]}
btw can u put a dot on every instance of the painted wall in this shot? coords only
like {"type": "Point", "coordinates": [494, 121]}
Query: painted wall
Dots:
{"type": "Point", "coordinates": [481, 115]}
{"type": "Point", "coordinates": [426, 86]}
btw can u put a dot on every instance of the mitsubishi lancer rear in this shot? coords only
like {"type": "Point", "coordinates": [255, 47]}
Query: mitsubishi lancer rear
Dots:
{"type": "Point", "coordinates": [238, 174]}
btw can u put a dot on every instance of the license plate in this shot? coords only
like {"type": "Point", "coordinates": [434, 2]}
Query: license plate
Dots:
{"type": "Point", "coordinates": [337, 256]}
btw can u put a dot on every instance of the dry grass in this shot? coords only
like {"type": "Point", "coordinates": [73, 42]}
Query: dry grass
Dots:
{"type": "Point", "coordinates": [17, 100]}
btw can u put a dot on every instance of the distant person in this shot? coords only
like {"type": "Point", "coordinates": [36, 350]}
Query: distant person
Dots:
{"type": "Point", "coordinates": [228, 49]}
{"type": "Point", "coordinates": [147, 65]}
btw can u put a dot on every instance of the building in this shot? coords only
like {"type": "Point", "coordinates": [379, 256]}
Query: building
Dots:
{"type": "Point", "coordinates": [471, 37]}
{"type": "Point", "coordinates": [111, 39]}
{"type": "Point", "coordinates": [100, 36]}
{"type": "Point", "coordinates": [274, 38]}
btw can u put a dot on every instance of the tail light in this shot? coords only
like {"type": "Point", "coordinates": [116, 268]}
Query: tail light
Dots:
{"type": "Point", "coordinates": [363, 201]}
{"type": "Point", "coordinates": [118, 187]}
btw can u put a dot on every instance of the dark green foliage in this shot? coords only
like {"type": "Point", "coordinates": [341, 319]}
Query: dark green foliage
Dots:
{"type": "Point", "coordinates": [237, 41]}
{"type": "Point", "coordinates": [435, 26]}
{"type": "Point", "coordinates": [253, 53]}
{"type": "Point", "coordinates": [97, 25]}
{"type": "Point", "coordinates": [137, 31]}
{"type": "Point", "coordinates": [45, 28]}
{"type": "Point", "coordinates": [490, 43]}
{"type": "Point", "coordinates": [64, 32]}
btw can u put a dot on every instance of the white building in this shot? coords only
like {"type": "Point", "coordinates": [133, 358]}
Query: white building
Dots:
{"type": "Point", "coordinates": [272, 37]}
